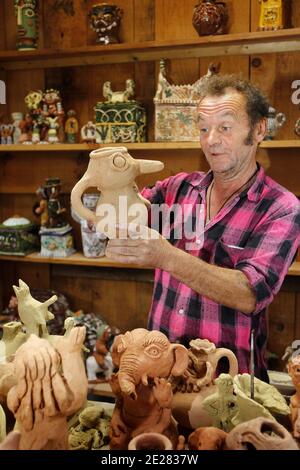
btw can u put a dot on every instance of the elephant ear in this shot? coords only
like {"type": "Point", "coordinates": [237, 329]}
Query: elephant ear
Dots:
{"type": "Point", "coordinates": [117, 349]}
{"type": "Point", "coordinates": [181, 359]}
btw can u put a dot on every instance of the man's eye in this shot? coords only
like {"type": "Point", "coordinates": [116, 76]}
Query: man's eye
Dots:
{"type": "Point", "coordinates": [203, 130]}
{"type": "Point", "coordinates": [226, 128]}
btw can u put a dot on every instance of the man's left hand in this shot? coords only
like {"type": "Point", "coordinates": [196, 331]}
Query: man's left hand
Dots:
{"type": "Point", "coordinates": [140, 245]}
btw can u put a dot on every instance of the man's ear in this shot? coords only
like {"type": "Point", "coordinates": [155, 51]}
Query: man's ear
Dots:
{"type": "Point", "coordinates": [260, 131]}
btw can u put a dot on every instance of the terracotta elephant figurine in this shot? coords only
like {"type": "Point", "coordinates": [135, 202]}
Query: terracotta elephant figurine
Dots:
{"type": "Point", "coordinates": [113, 171]}
{"type": "Point", "coordinates": [146, 360]}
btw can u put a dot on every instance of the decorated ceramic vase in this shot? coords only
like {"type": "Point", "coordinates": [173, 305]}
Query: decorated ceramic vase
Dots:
{"type": "Point", "coordinates": [105, 19]}
{"type": "Point", "coordinates": [210, 17]}
{"type": "Point", "coordinates": [27, 24]}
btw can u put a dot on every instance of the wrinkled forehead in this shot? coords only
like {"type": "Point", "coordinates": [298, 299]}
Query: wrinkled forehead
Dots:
{"type": "Point", "coordinates": [231, 103]}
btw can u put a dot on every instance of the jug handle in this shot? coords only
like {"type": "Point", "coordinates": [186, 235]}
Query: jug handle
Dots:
{"type": "Point", "coordinates": [76, 201]}
{"type": "Point", "coordinates": [233, 363]}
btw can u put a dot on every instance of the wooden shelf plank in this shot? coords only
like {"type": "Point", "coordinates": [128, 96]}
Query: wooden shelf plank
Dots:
{"type": "Point", "coordinates": [77, 259]}
{"type": "Point", "coordinates": [286, 40]}
{"type": "Point", "coordinates": [267, 144]}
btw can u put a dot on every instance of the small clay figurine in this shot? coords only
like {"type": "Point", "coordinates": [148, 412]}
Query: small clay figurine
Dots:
{"type": "Point", "coordinates": [92, 430]}
{"type": "Point", "coordinates": [27, 24]}
{"type": "Point", "coordinates": [41, 208]}
{"type": "Point", "coordinates": [294, 372]}
{"type": "Point", "coordinates": [100, 361]}
{"type": "Point", "coordinates": [6, 132]}
{"type": "Point", "coordinates": [51, 385]}
{"type": "Point", "coordinates": [17, 118]}
{"type": "Point", "coordinates": [210, 17]}
{"type": "Point", "coordinates": [146, 359]}
{"type": "Point", "coordinates": [113, 171]}
{"type": "Point", "coordinates": [272, 15]}
{"type": "Point", "coordinates": [56, 212]}
{"type": "Point", "coordinates": [71, 127]}
{"type": "Point", "coordinates": [34, 314]}
{"type": "Point", "coordinates": [89, 133]}
{"type": "Point", "coordinates": [26, 126]}
{"type": "Point", "coordinates": [119, 96]}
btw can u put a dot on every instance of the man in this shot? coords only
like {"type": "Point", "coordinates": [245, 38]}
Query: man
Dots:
{"type": "Point", "coordinates": [220, 290]}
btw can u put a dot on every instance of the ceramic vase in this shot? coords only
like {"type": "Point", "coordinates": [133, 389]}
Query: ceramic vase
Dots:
{"type": "Point", "coordinates": [210, 17]}
{"type": "Point", "coordinates": [150, 441]}
{"type": "Point", "coordinates": [105, 19]}
{"type": "Point", "coordinates": [17, 118]}
{"type": "Point", "coordinates": [27, 24]}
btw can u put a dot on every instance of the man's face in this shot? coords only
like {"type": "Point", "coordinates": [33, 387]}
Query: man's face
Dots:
{"type": "Point", "coordinates": [224, 127]}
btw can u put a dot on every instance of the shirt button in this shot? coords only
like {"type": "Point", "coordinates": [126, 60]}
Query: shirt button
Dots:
{"type": "Point", "coordinates": [181, 311]}
{"type": "Point", "coordinates": [198, 242]}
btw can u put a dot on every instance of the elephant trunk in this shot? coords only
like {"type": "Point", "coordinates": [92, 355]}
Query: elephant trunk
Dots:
{"type": "Point", "coordinates": [129, 375]}
{"type": "Point", "coordinates": [76, 202]}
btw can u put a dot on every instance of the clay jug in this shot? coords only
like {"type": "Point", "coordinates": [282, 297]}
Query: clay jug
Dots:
{"type": "Point", "coordinates": [210, 17]}
{"type": "Point", "coordinates": [198, 383]}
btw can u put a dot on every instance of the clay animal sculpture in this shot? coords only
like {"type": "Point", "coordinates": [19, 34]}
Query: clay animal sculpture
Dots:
{"type": "Point", "coordinates": [294, 372]}
{"type": "Point", "coordinates": [92, 430]}
{"type": "Point", "coordinates": [113, 171]}
{"type": "Point", "coordinates": [231, 404]}
{"type": "Point", "coordinates": [51, 385]}
{"type": "Point", "coordinates": [207, 438]}
{"type": "Point", "coordinates": [260, 434]}
{"type": "Point", "coordinates": [34, 314]}
{"type": "Point", "coordinates": [119, 96]}
{"type": "Point", "coordinates": [146, 359]}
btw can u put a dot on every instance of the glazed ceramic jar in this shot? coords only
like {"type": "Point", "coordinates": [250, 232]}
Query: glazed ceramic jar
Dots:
{"type": "Point", "coordinates": [105, 19]}
{"type": "Point", "coordinates": [210, 17]}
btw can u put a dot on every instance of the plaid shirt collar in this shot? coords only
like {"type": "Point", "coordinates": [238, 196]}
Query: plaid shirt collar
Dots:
{"type": "Point", "coordinates": [254, 192]}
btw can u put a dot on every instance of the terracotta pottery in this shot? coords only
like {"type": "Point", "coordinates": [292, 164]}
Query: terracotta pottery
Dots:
{"type": "Point", "coordinates": [210, 17]}
{"type": "Point", "coordinates": [294, 372]}
{"type": "Point", "coordinates": [150, 441]}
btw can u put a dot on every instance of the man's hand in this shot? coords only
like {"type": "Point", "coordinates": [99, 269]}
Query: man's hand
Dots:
{"type": "Point", "coordinates": [140, 245]}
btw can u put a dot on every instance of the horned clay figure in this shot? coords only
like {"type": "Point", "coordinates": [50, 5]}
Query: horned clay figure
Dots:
{"type": "Point", "coordinates": [34, 314]}
{"type": "Point", "coordinates": [231, 404]}
{"type": "Point", "coordinates": [51, 385]}
{"type": "Point", "coordinates": [260, 434]}
{"type": "Point", "coordinates": [146, 359]}
{"type": "Point", "coordinates": [113, 171]}
{"type": "Point", "coordinates": [294, 372]}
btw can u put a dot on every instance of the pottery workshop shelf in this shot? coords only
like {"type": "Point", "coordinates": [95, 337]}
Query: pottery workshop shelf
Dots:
{"type": "Point", "coordinates": [77, 259]}
{"type": "Point", "coordinates": [264, 42]}
{"type": "Point", "coordinates": [268, 144]}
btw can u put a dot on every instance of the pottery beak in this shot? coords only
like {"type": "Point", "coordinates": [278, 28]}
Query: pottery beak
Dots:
{"type": "Point", "coordinates": [150, 166]}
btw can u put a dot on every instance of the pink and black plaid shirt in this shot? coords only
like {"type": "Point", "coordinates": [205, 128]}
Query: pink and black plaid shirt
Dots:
{"type": "Point", "coordinates": [258, 232]}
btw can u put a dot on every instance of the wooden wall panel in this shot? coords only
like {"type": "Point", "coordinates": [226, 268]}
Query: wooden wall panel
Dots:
{"type": "Point", "coordinates": [18, 86]}
{"type": "Point", "coordinates": [63, 27]}
{"type": "Point", "coordinates": [10, 24]}
{"type": "Point", "coordinates": [2, 27]}
{"type": "Point", "coordinates": [144, 20]}
{"type": "Point", "coordinates": [281, 322]}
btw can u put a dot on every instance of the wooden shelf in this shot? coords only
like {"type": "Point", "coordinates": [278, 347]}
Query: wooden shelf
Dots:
{"type": "Point", "coordinates": [263, 42]}
{"type": "Point", "coordinates": [267, 144]}
{"type": "Point", "coordinates": [77, 259]}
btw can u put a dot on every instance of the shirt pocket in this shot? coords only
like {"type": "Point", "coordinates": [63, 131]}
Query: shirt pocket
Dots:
{"type": "Point", "coordinates": [227, 253]}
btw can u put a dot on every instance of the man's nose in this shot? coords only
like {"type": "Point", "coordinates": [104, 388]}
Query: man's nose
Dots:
{"type": "Point", "coordinates": [213, 137]}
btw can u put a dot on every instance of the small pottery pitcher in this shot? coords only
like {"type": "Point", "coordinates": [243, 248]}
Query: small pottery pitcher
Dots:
{"type": "Point", "coordinates": [297, 127]}
{"type": "Point", "coordinates": [105, 19]}
{"type": "Point", "coordinates": [197, 383]}
{"type": "Point", "coordinates": [210, 17]}
{"type": "Point", "coordinates": [275, 121]}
